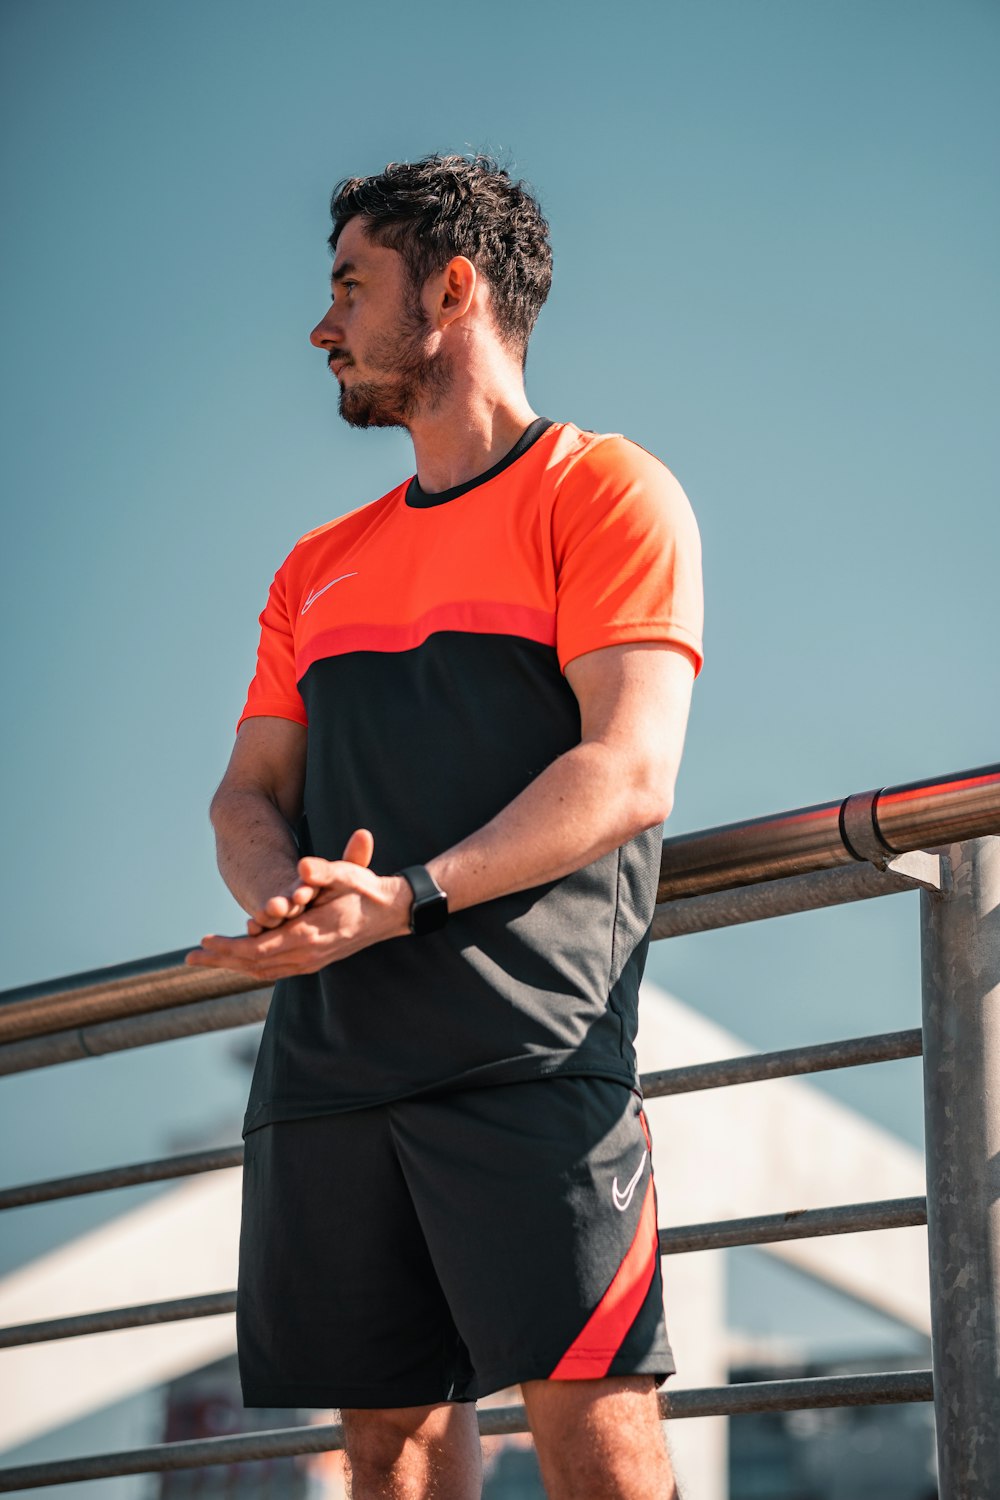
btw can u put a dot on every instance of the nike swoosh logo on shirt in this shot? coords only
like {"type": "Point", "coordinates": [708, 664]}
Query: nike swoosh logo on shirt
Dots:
{"type": "Point", "coordinates": [622, 1200]}
{"type": "Point", "coordinates": [317, 592]}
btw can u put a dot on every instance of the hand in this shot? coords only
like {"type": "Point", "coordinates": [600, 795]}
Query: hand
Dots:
{"type": "Point", "coordinates": [293, 901]}
{"type": "Point", "coordinates": [343, 907]}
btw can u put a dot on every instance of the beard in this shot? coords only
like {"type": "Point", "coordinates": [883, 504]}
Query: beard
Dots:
{"type": "Point", "coordinates": [414, 377]}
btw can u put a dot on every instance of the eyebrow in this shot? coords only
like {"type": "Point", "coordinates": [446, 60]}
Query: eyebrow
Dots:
{"type": "Point", "coordinates": [346, 269]}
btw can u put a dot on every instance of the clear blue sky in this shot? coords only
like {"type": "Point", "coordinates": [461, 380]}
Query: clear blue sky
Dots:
{"type": "Point", "coordinates": [776, 238]}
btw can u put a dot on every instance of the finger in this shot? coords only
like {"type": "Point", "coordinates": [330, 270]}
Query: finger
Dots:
{"type": "Point", "coordinates": [199, 958]}
{"type": "Point", "coordinates": [264, 920]}
{"type": "Point", "coordinates": [302, 895]}
{"type": "Point", "coordinates": [326, 875]}
{"type": "Point", "coordinates": [254, 973]}
{"type": "Point", "coordinates": [239, 949]}
{"type": "Point", "coordinates": [273, 944]}
{"type": "Point", "coordinates": [248, 964]}
{"type": "Point", "coordinates": [360, 847]}
{"type": "Point", "coordinates": [281, 909]}
{"type": "Point", "coordinates": [315, 871]}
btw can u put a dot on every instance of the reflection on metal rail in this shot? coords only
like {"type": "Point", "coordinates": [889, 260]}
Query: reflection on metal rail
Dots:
{"type": "Point", "coordinates": [871, 827]}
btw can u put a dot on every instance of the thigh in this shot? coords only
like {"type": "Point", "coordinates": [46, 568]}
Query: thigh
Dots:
{"type": "Point", "coordinates": [538, 1206]}
{"type": "Point", "coordinates": [338, 1302]}
{"type": "Point", "coordinates": [599, 1437]}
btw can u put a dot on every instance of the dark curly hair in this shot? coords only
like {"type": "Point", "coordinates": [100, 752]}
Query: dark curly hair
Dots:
{"type": "Point", "coordinates": [442, 206]}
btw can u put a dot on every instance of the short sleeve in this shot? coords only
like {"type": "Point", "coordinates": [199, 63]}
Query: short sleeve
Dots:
{"type": "Point", "coordinates": [274, 692]}
{"type": "Point", "coordinates": [627, 554]}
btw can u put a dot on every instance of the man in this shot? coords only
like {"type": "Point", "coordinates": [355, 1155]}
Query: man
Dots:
{"type": "Point", "coordinates": [473, 691]}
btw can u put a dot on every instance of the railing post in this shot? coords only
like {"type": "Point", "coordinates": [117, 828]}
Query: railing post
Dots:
{"type": "Point", "coordinates": [960, 942]}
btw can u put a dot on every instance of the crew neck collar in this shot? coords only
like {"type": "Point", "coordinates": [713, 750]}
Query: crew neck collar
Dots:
{"type": "Point", "coordinates": [421, 499]}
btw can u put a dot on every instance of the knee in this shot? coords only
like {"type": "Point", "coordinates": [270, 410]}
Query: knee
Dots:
{"type": "Point", "coordinates": [417, 1449]}
{"type": "Point", "coordinates": [377, 1439]}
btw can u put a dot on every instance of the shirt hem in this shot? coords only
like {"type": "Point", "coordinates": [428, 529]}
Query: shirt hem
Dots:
{"type": "Point", "coordinates": [515, 1070]}
{"type": "Point", "coordinates": [658, 1362]}
{"type": "Point", "coordinates": [274, 708]}
{"type": "Point", "coordinates": [636, 633]}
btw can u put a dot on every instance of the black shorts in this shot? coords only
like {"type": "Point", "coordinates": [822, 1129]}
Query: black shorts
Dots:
{"type": "Point", "coordinates": [440, 1248]}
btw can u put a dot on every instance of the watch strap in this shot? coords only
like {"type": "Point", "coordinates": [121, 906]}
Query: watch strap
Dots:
{"type": "Point", "coordinates": [429, 911]}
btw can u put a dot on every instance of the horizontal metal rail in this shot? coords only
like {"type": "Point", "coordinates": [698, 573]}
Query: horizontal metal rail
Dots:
{"type": "Point", "coordinates": [755, 1067]}
{"type": "Point", "coordinates": [796, 1224]}
{"type": "Point", "coordinates": [795, 893]}
{"type": "Point", "coordinates": [141, 1172]}
{"type": "Point", "coordinates": [867, 827]}
{"type": "Point", "coordinates": [792, 1062]}
{"type": "Point", "coordinates": [113, 1319]}
{"type": "Point", "coordinates": [245, 1010]}
{"type": "Point", "coordinates": [130, 989]}
{"type": "Point", "coordinates": [892, 1387]}
{"type": "Point", "coordinates": [134, 1031]}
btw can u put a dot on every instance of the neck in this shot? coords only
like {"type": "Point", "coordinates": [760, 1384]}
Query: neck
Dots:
{"type": "Point", "coordinates": [470, 429]}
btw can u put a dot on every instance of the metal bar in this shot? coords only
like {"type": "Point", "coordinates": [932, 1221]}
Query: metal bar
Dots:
{"type": "Point", "coordinates": [921, 815]}
{"type": "Point", "coordinates": [798, 1224]}
{"type": "Point", "coordinates": [134, 1031]}
{"type": "Point", "coordinates": [111, 1319]}
{"type": "Point", "coordinates": [121, 1177]}
{"type": "Point", "coordinates": [240, 1010]}
{"type": "Point", "coordinates": [960, 943]}
{"type": "Point", "coordinates": [754, 1068]}
{"type": "Point", "coordinates": [891, 1388]}
{"type": "Point", "coordinates": [777, 898]}
{"type": "Point", "coordinates": [903, 818]}
{"type": "Point", "coordinates": [917, 815]}
{"type": "Point", "coordinates": [851, 1053]}
{"type": "Point", "coordinates": [889, 1214]}
{"type": "Point", "coordinates": [795, 1061]}
{"type": "Point", "coordinates": [131, 989]}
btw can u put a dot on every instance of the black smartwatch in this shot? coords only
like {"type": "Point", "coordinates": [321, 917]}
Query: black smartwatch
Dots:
{"type": "Point", "coordinates": [430, 904]}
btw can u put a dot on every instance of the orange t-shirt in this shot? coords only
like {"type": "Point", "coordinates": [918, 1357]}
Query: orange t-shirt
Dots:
{"type": "Point", "coordinates": [423, 641]}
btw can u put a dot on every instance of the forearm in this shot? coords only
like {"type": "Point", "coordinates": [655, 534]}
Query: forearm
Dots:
{"type": "Point", "coordinates": [255, 847]}
{"type": "Point", "coordinates": [616, 782]}
{"type": "Point", "coordinates": [584, 804]}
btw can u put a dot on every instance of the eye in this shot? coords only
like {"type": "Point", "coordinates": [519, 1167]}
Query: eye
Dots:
{"type": "Point", "coordinates": [348, 285]}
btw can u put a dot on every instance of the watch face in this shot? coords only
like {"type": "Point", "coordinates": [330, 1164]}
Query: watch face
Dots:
{"type": "Point", "coordinates": [429, 913]}
{"type": "Point", "coordinates": [429, 910]}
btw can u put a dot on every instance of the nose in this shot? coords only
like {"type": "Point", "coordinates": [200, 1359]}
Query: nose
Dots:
{"type": "Point", "coordinates": [326, 334]}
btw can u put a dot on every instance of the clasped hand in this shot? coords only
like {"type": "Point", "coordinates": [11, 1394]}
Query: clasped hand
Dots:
{"type": "Point", "coordinates": [333, 909]}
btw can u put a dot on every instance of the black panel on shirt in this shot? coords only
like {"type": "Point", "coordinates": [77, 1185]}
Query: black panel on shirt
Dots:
{"type": "Point", "coordinates": [512, 988]}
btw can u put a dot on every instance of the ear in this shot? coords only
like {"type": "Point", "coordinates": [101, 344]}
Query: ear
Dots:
{"type": "Point", "coordinates": [456, 290]}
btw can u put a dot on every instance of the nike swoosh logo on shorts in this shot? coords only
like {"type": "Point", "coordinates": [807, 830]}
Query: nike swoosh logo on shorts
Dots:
{"type": "Point", "coordinates": [316, 592]}
{"type": "Point", "coordinates": [622, 1200]}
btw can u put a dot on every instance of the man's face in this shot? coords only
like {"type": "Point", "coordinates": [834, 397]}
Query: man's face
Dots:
{"type": "Point", "coordinates": [378, 337]}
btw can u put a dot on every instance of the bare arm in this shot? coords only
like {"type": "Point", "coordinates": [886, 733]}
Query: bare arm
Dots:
{"type": "Point", "coordinates": [618, 780]}
{"type": "Point", "coordinates": [634, 702]}
{"type": "Point", "coordinates": [258, 801]}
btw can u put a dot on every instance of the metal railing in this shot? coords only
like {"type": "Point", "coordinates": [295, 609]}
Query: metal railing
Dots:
{"type": "Point", "coordinates": [940, 837]}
